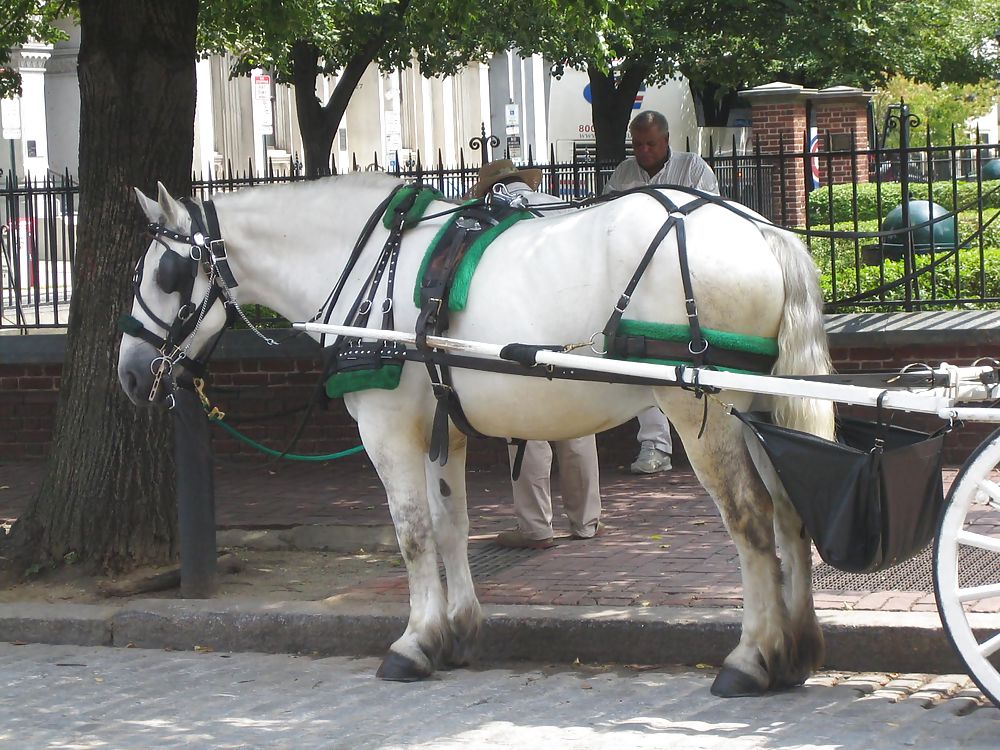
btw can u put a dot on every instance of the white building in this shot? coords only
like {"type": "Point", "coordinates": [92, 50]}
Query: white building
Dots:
{"type": "Point", "coordinates": [251, 121]}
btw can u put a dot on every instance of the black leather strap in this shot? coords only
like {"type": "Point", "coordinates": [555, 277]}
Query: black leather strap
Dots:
{"type": "Point", "coordinates": [326, 309]}
{"type": "Point", "coordinates": [641, 347]}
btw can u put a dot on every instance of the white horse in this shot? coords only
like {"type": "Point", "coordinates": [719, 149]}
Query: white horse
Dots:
{"type": "Point", "coordinates": [544, 281]}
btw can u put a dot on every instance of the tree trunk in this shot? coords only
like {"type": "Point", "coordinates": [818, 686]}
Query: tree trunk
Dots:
{"type": "Point", "coordinates": [316, 121]}
{"type": "Point", "coordinates": [713, 104]}
{"type": "Point", "coordinates": [319, 122]}
{"type": "Point", "coordinates": [611, 105]}
{"type": "Point", "coordinates": [108, 495]}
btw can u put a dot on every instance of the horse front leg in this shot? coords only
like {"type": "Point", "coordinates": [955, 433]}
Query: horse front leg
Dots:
{"type": "Point", "coordinates": [446, 491]}
{"type": "Point", "coordinates": [397, 450]}
{"type": "Point", "coordinates": [763, 658]}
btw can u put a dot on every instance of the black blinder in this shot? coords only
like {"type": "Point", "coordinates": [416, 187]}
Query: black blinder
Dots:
{"type": "Point", "coordinates": [175, 272]}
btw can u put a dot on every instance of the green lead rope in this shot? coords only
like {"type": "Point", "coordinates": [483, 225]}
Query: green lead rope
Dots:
{"type": "Point", "coordinates": [216, 415]}
{"type": "Point", "coordinates": [290, 456]}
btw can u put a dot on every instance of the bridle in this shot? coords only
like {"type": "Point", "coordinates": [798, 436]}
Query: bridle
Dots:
{"type": "Point", "coordinates": [177, 273]}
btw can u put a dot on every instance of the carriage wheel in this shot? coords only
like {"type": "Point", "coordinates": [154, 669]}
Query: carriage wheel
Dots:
{"type": "Point", "coordinates": [967, 566]}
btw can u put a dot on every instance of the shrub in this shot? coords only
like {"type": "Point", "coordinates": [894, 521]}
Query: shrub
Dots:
{"type": "Point", "coordinates": [868, 194]}
{"type": "Point", "coordinates": [852, 277]}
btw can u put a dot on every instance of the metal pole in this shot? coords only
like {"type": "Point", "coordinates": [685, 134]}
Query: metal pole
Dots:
{"type": "Point", "coordinates": [904, 190]}
{"type": "Point", "coordinates": [195, 496]}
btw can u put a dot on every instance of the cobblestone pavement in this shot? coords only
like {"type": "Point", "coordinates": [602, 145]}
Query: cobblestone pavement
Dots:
{"type": "Point", "coordinates": [74, 697]}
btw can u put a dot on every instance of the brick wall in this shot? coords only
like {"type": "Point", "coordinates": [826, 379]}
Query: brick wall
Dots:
{"type": "Point", "coordinates": [778, 127]}
{"type": "Point", "coordinates": [264, 396]}
{"type": "Point", "coordinates": [780, 117]}
{"type": "Point", "coordinates": [849, 119]}
{"type": "Point", "coordinates": [28, 397]}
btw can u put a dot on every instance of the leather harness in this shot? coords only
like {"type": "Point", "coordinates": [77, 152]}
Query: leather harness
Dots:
{"type": "Point", "coordinates": [435, 288]}
{"type": "Point", "coordinates": [433, 321]}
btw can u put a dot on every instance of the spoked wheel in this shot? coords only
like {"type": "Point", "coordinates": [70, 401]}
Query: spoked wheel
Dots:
{"type": "Point", "coordinates": [967, 566]}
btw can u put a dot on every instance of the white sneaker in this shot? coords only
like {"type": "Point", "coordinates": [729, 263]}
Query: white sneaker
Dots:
{"type": "Point", "coordinates": [651, 460]}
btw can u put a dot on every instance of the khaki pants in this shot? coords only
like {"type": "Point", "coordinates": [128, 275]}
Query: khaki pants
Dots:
{"type": "Point", "coordinates": [579, 481]}
{"type": "Point", "coordinates": [654, 428]}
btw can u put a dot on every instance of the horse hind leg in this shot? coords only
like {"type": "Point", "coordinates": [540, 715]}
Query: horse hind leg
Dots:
{"type": "Point", "coordinates": [796, 562]}
{"type": "Point", "coordinates": [398, 455]}
{"type": "Point", "coordinates": [795, 548]}
{"type": "Point", "coordinates": [762, 659]}
{"type": "Point", "coordinates": [446, 491]}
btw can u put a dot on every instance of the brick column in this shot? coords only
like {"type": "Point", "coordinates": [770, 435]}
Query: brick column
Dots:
{"type": "Point", "coordinates": [839, 112]}
{"type": "Point", "coordinates": [779, 126]}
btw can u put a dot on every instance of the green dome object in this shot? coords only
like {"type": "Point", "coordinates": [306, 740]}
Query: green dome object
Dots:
{"type": "Point", "coordinates": [945, 230]}
{"type": "Point", "coordinates": [991, 170]}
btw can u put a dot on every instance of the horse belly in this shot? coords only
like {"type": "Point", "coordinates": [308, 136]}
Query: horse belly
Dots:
{"type": "Point", "coordinates": [540, 409]}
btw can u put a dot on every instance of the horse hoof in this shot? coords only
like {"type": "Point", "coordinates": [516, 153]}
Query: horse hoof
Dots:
{"type": "Point", "coordinates": [461, 653]}
{"type": "Point", "coordinates": [398, 668]}
{"type": "Point", "coordinates": [732, 683]}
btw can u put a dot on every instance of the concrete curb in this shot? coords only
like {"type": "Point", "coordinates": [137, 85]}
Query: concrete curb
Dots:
{"type": "Point", "coordinates": [856, 641]}
{"type": "Point", "coordinates": [333, 537]}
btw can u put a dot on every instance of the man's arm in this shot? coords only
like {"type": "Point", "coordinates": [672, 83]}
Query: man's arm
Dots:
{"type": "Point", "coordinates": [703, 178]}
{"type": "Point", "coordinates": [618, 179]}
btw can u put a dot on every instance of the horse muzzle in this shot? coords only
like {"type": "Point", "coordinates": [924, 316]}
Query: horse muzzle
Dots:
{"type": "Point", "coordinates": [146, 376]}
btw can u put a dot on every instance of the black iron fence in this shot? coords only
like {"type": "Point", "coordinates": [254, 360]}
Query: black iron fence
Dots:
{"type": "Point", "coordinates": [37, 248]}
{"type": "Point", "coordinates": [838, 199]}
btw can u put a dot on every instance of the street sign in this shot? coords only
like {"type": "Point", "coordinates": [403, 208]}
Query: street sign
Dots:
{"type": "Point", "coordinates": [512, 114]}
{"type": "Point", "coordinates": [262, 87]}
{"type": "Point", "coordinates": [266, 118]}
{"type": "Point", "coordinates": [514, 146]}
{"type": "Point", "coordinates": [10, 116]}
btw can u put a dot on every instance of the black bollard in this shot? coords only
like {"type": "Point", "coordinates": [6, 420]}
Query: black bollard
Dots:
{"type": "Point", "coordinates": [195, 496]}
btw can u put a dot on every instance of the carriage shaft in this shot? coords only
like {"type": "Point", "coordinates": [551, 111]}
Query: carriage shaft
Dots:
{"type": "Point", "coordinates": [964, 382]}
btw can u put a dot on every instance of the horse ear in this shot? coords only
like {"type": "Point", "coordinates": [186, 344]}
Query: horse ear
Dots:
{"type": "Point", "coordinates": [172, 209]}
{"type": "Point", "coordinates": [149, 207]}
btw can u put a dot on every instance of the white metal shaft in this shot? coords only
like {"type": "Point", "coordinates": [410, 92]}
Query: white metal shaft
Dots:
{"type": "Point", "coordinates": [933, 401]}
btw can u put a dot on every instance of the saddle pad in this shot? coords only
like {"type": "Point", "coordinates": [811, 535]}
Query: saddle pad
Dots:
{"type": "Point", "coordinates": [425, 196]}
{"type": "Point", "coordinates": [755, 349]}
{"type": "Point", "coordinates": [459, 293]}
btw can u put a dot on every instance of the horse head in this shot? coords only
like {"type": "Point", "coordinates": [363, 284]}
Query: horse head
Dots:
{"type": "Point", "coordinates": [179, 300]}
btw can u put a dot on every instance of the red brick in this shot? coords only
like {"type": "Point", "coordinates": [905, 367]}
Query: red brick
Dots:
{"type": "Point", "coordinates": [37, 383]}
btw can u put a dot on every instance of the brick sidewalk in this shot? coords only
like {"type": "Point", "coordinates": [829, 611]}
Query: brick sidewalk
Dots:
{"type": "Point", "coordinates": [663, 542]}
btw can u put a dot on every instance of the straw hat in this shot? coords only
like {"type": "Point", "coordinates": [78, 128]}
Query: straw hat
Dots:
{"type": "Point", "coordinates": [502, 169]}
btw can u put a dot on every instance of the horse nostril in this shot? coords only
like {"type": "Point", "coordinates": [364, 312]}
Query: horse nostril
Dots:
{"type": "Point", "coordinates": [131, 383]}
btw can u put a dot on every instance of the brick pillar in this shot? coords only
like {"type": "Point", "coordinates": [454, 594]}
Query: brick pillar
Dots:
{"type": "Point", "coordinates": [779, 126]}
{"type": "Point", "coordinates": [839, 112]}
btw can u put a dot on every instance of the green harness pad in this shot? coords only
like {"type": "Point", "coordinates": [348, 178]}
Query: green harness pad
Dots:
{"type": "Point", "coordinates": [719, 340]}
{"type": "Point", "coordinates": [385, 377]}
{"type": "Point", "coordinates": [424, 197]}
{"type": "Point", "coordinates": [459, 294]}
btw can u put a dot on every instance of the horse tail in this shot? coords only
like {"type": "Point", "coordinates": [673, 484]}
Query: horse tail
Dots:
{"type": "Point", "coordinates": [802, 344]}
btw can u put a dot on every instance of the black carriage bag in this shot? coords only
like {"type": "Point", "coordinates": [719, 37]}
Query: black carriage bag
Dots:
{"type": "Point", "coordinates": [870, 500]}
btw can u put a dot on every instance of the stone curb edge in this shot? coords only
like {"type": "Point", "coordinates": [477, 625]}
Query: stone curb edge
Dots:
{"type": "Point", "coordinates": [856, 641]}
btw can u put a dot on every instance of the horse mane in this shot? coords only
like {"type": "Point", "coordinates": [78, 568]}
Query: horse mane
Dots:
{"type": "Point", "coordinates": [357, 180]}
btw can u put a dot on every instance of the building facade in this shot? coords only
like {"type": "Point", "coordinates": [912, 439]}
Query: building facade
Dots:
{"type": "Point", "coordinates": [249, 123]}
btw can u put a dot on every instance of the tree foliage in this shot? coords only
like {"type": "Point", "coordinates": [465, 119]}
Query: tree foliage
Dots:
{"type": "Point", "coordinates": [732, 44]}
{"type": "Point", "coordinates": [940, 108]}
{"type": "Point", "coordinates": [25, 21]}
